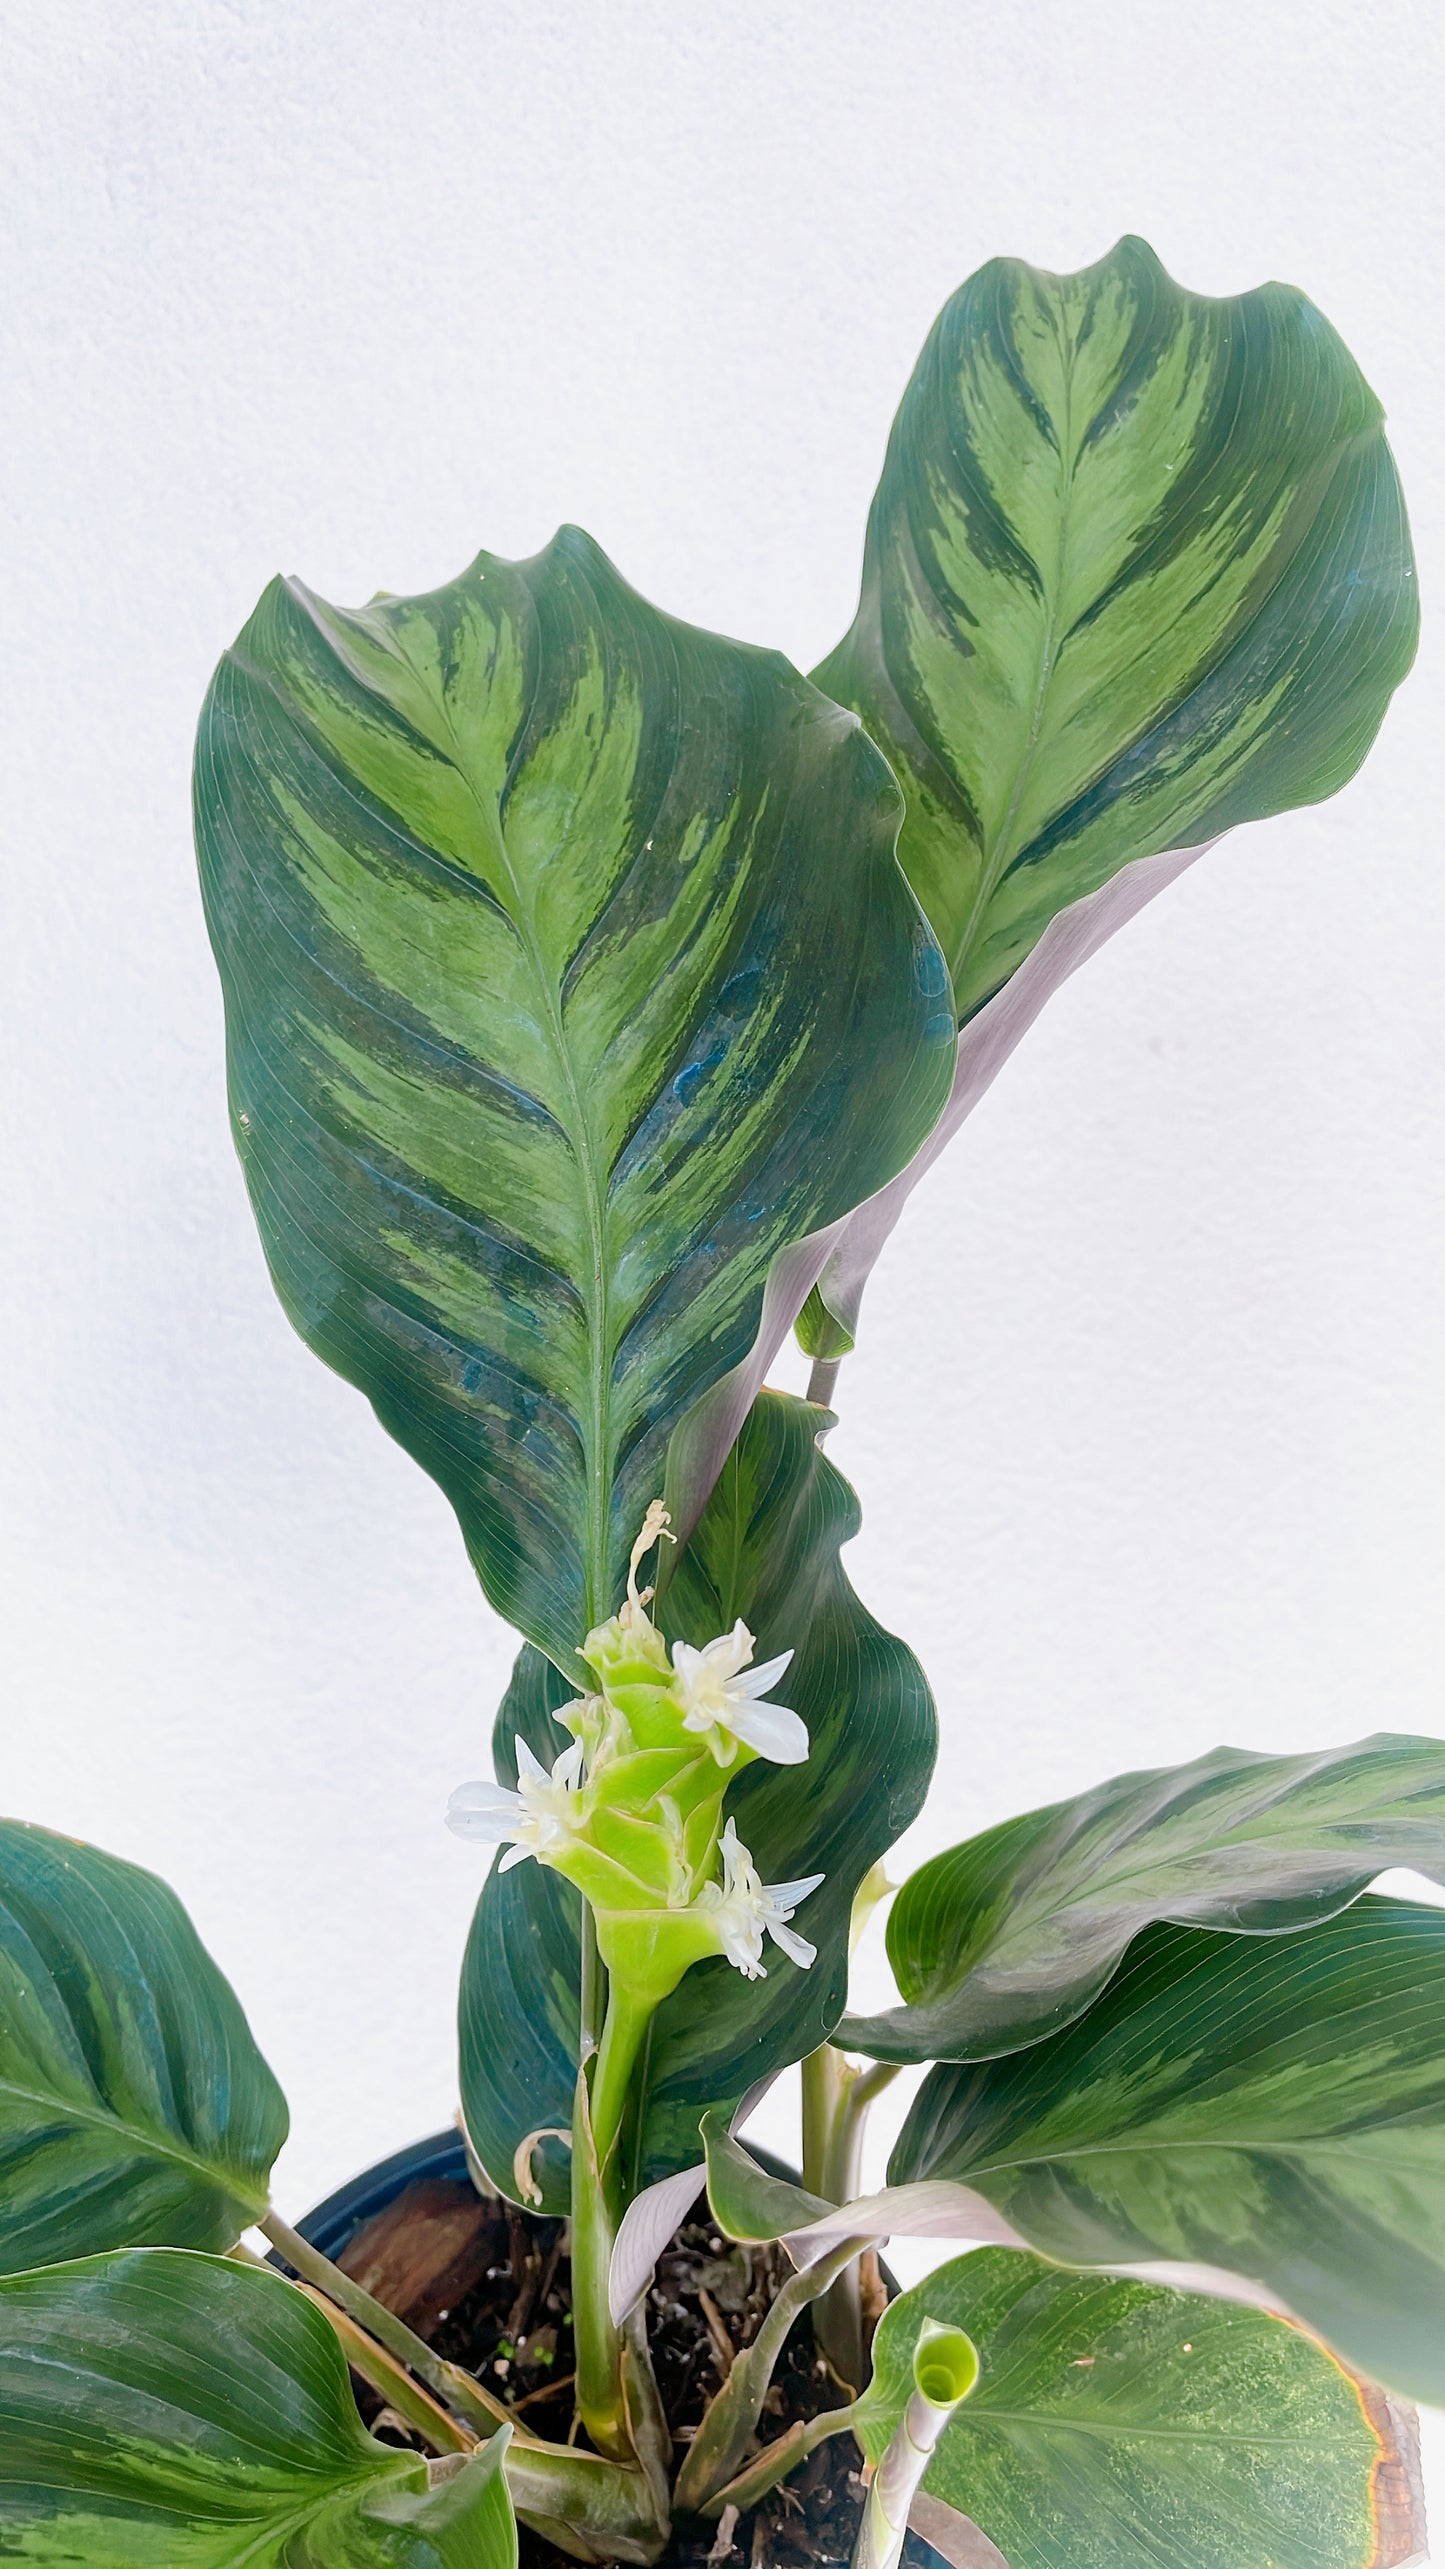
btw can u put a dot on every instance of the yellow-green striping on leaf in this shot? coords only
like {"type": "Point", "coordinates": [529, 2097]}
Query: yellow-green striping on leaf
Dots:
{"type": "Point", "coordinates": [1137, 569]}
{"type": "Point", "coordinates": [1269, 2106]}
{"type": "Point", "coordinates": [1115, 2425]}
{"type": "Point", "coordinates": [163, 2411]}
{"type": "Point", "coordinates": [135, 2108]}
{"type": "Point", "coordinates": [570, 976]}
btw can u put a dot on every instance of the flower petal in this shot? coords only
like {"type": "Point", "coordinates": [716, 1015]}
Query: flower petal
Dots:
{"type": "Point", "coordinates": [731, 1651]}
{"type": "Point", "coordinates": [756, 1681]}
{"type": "Point", "coordinates": [797, 1948]}
{"type": "Point", "coordinates": [791, 1895]}
{"type": "Point", "coordinates": [773, 1730]}
{"type": "Point", "coordinates": [487, 1812]}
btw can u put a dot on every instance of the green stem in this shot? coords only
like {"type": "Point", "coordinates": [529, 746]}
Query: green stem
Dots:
{"type": "Point", "coordinates": [597, 2346]}
{"type": "Point", "coordinates": [823, 1380]}
{"type": "Point", "coordinates": [843, 2165]}
{"type": "Point", "coordinates": [836, 2099]}
{"type": "Point", "coordinates": [594, 1984]}
{"type": "Point", "coordinates": [455, 2388]}
{"type": "Point", "coordinates": [779, 2459]}
{"type": "Point", "coordinates": [612, 2509]}
{"type": "Point", "coordinates": [822, 2090]}
{"type": "Point", "coordinates": [617, 2393]}
{"type": "Point", "coordinates": [732, 2418]}
{"type": "Point", "coordinates": [623, 2035]}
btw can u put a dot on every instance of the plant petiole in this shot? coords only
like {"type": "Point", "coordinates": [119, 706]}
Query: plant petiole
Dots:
{"type": "Point", "coordinates": [836, 2099]}
{"type": "Point", "coordinates": [456, 2389]}
{"type": "Point", "coordinates": [779, 2458]}
{"type": "Point", "coordinates": [732, 2417]}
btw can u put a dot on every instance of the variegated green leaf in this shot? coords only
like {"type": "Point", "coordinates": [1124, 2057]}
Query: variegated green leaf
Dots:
{"type": "Point", "coordinates": [1272, 2106]}
{"type": "Point", "coordinates": [1117, 2426]}
{"type": "Point", "coordinates": [1137, 569]}
{"type": "Point", "coordinates": [1007, 1938]}
{"type": "Point", "coordinates": [767, 1548]}
{"type": "Point", "coordinates": [570, 977]}
{"type": "Point", "coordinates": [135, 2108]}
{"type": "Point", "coordinates": [162, 2411]}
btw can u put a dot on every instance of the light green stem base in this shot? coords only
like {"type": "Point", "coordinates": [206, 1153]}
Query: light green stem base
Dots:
{"type": "Point", "coordinates": [836, 2099]}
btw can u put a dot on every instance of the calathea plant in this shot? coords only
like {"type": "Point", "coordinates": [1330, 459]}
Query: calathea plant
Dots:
{"type": "Point", "coordinates": [596, 989]}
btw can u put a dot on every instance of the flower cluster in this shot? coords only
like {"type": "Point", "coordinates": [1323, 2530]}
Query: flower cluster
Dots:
{"type": "Point", "coordinates": [631, 1810]}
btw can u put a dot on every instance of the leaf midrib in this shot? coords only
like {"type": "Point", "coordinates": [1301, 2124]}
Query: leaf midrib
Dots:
{"type": "Point", "coordinates": [1043, 2422]}
{"type": "Point", "coordinates": [597, 1307]}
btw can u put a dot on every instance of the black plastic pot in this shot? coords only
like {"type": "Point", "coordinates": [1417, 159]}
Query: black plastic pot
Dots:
{"type": "Point", "coordinates": [334, 2223]}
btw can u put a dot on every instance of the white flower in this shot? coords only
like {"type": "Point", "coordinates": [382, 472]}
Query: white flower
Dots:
{"type": "Point", "coordinates": [719, 1698]}
{"type": "Point", "coordinates": [540, 1814]}
{"type": "Point", "coordinates": [746, 1908]}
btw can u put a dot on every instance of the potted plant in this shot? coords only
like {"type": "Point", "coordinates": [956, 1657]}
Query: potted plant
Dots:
{"type": "Point", "coordinates": [597, 989]}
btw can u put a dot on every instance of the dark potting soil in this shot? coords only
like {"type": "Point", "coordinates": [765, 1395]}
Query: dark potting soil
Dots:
{"type": "Point", "coordinates": [490, 2288]}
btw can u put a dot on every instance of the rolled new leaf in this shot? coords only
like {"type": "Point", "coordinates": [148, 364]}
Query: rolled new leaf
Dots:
{"type": "Point", "coordinates": [767, 1549]}
{"type": "Point", "coordinates": [1271, 2106]}
{"type": "Point", "coordinates": [135, 2108]}
{"type": "Point", "coordinates": [945, 2370]}
{"type": "Point", "coordinates": [1137, 569]}
{"type": "Point", "coordinates": [164, 2411]}
{"type": "Point", "coordinates": [571, 982]}
{"type": "Point", "coordinates": [1118, 2426]}
{"type": "Point", "coordinates": [1004, 1940]}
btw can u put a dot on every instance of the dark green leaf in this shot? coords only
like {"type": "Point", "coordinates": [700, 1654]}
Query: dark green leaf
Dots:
{"type": "Point", "coordinates": [1137, 569]}
{"type": "Point", "coordinates": [162, 2411]}
{"type": "Point", "coordinates": [1272, 2106]}
{"type": "Point", "coordinates": [134, 2105]}
{"type": "Point", "coordinates": [767, 1549]}
{"type": "Point", "coordinates": [1007, 1938]}
{"type": "Point", "coordinates": [1117, 2426]}
{"type": "Point", "coordinates": [570, 977]}
{"type": "Point", "coordinates": [519, 2001]}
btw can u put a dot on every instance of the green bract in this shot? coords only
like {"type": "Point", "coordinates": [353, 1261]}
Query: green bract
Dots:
{"type": "Point", "coordinates": [767, 1549]}
{"type": "Point", "coordinates": [597, 990]}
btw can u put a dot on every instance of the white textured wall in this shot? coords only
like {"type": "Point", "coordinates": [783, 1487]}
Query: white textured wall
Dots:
{"type": "Point", "coordinates": [1148, 1419]}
